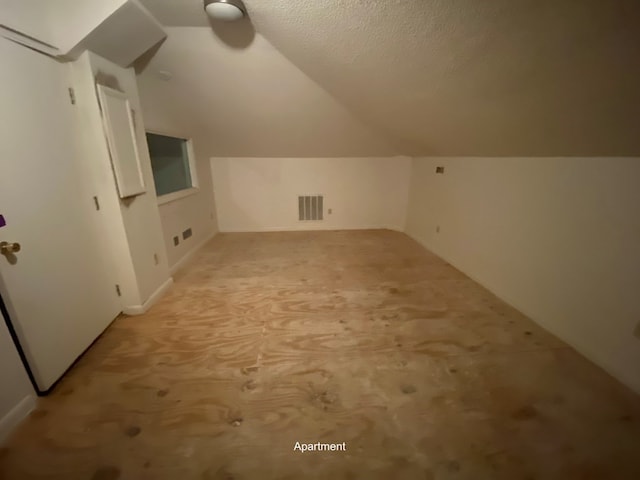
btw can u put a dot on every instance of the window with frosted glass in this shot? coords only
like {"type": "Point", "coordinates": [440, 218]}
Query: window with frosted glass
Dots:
{"type": "Point", "coordinates": [170, 163]}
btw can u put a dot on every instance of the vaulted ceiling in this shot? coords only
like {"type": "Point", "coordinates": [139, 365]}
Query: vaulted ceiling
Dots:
{"type": "Point", "coordinates": [413, 77]}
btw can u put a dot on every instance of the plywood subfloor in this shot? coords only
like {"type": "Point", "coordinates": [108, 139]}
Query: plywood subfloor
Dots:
{"type": "Point", "coordinates": [359, 337]}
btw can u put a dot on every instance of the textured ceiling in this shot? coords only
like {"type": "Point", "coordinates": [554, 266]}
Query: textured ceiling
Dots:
{"type": "Point", "coordinates": [454, 77]}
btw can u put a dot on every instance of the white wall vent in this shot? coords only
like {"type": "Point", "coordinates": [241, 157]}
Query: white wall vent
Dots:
{"type": "Point", "coordinates": [310, 207]}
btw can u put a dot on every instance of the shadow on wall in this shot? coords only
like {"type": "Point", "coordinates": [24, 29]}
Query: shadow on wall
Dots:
{"type": "Point", "coordinates": [238, 220]}
{"type": "Point", "coordinates": [141, 63]}
{"type": "Point", "coordinates": [238, 35]}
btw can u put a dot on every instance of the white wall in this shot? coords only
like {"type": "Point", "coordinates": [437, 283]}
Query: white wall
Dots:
{"type": "Point", "coordinates": [196, 211]}
{"type": "Point", "coordinates": [60, 24]}
{"type": "Point", "coordinates": [98, 174]}
{"type": "Point", "coordinates": [140, 214]}
{"type": "Point", "coordinates": [72, 20]}
{"type": "Point", "coordinates": [17, 397]}
{"type": "Point", "coordinates": [26, 17]}
{"type": "Point", "coordinates": [558, 238]}
{"type": "Point", "coordinates": [260, 194]}
{"type": "Point", "coordinates": [121, 36]}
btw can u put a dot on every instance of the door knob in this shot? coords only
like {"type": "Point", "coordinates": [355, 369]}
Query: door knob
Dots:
{"type": "Point", "coordinates": [7, 248]}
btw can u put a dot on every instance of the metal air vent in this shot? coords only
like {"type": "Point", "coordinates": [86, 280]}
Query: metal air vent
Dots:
{"type": "Point", "coordinates": [310, 207]}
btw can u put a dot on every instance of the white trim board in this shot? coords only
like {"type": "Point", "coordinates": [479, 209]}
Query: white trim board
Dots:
{"type": "Point", "coordinates": [189, 255]}
{"type": "Point", "coordinates": [18, 413]}
{"type": "Point", "coordinates": [153, 298]}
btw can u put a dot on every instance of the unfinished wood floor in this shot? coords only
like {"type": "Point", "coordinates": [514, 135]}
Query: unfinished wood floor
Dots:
{"type": "Point", "coordinates": [360, 337]}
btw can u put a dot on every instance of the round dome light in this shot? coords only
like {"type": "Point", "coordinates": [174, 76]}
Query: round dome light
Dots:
{"type": "Point", "coordinates": [225, 10]}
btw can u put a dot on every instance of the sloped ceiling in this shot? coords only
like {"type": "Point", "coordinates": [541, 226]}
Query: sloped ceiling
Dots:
{"type": "Point", "coordinates": [423, 77]}
{"type": "Point", "coordinates": [248, 102]}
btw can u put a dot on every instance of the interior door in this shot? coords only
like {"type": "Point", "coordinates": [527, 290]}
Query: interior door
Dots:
{"type": "Point", "coordinates": [58, 287]}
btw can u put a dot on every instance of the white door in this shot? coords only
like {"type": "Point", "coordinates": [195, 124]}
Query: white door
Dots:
{"type": "Point", "coordinates": [59, 289]}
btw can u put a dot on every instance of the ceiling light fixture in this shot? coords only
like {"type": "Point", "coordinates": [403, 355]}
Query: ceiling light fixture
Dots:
{"type": "Point", "coordinates": [226, 10]}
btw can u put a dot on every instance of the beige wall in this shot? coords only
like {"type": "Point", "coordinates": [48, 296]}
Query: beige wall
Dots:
{"type": "Point", "coordinates": [260, 194]}
{"type": "Point", "coordinates": [558, 238]}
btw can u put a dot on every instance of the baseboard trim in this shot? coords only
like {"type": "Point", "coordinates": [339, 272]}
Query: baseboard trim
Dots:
{"type": "Point", "coordinates": [18, 413]}
{"type": "Point", "coordinates": [153, 298]}
{"type": "Point", "coordinates": [189, 255]}
{"type": "Point", "coordinates": [307, 228]}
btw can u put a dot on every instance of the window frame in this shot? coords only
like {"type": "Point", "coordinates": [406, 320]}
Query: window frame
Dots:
{"type": "Point", "coordinates": [193, 172]}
